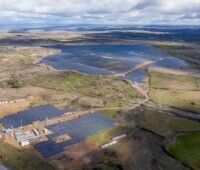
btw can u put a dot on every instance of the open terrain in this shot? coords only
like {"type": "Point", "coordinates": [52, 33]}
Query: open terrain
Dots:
{"type": "Point", "coordinates": [178, 91]}
{"type": "Point", "coordinates": [157, 138]}
{"type": "Point", "coordinates": [69, 88]}
{"type": "Point", "coordinates": [186, 148]}
{"type": "Point", "coordinates": [20, 159]}
{"type": "Point", "coordinates": [165, 124]}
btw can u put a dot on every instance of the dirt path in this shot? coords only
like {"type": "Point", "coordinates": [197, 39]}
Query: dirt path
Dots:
{"type": "Point", "coordinates": [174, 71]}
{"type": "Point", "coordinates": [135, 87]}
{"type": "Point", "coordinates": [138, 66]}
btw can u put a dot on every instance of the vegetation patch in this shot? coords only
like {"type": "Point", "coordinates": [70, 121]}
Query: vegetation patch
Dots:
{"type": "Point", "coordinates": [186, 100]}
{"type": "Point", "coordinates": [59, 80]}
{"type": "Point", "coordinates": [111, 113]}
{"type": "Point", "coordinates": [111, 92]}
{"type": "Point", "coordinates": [176, 82]}
{"type": "Point", "coordinates": [166, 124]}
{"type": "Point", "coordinates": [105, 135]}
{"type": "Point", "coordinates": [105, 160]}
{"type": "Point", "coordinates": [177, 91]}
{"type": "Point", "coordinates": [16, 83]}
{"type": "Point", "coordinates": [20, 56]}
{"type": "Point", "coordinates": [21, 160]}
{"type": "Point", "coordinates": [108, 163]}
{"type": "Point", "coordinates": [186, 148]}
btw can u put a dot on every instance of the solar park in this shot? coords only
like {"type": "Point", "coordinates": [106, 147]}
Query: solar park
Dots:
{"type": "Point", "coordinates": [79, 129]}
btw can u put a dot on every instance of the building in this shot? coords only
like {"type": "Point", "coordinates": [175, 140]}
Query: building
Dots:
{"type": "Point", "coordinates": [108, 144]}
{"type": "Point", "coordinates": [24, 142]}
{"type": "Point", "coordinates": [119, 137]}
{"type": "Point", "coordinates": [21, 136]}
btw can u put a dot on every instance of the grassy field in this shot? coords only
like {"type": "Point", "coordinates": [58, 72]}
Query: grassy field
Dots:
{"type": "Point", "coordinates": [111, 113]}
{"type": "Point", "coordinates": [15, 57]}
{"type": "Point", "coordinates": [165, 124]}
{"type": "Point", "coordinates": [59, 81]}
{"type": "Point", "coordinates": [177, 91]}
{"type": "Point", "coordinates": [187, 100]}
{"type": "Point", "coordinates": [104, 136]}
{"type": "Point", "coordinates": [78, 82]}
{"type": "Point", "coordinates": [186, 148]}
{"type": "Point", "coordinates": [112, 92]}
{"type": "Point", "coordinates": [21, 160]}
{"type": "Point", "coordinates": [165, 81]}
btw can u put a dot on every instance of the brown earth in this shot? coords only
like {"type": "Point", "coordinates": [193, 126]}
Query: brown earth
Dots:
{"type": "Point", "coordinates": [7, 109]}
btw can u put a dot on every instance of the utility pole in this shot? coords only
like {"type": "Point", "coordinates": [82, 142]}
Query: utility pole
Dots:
{"type": "Point", "coordinates": [91, 107]}
{"type": "Point", "coordinates": [46, 121]}
{"type": "Point", "coordinates": [21, 123]}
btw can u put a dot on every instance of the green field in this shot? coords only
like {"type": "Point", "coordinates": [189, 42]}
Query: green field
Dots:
{"type": "Point", "coordinates": [166, 124]}
{"type": "Point", "coordinates": [21, 160]}
{"type": "Point", "coordinates": [111, 113]}
{"type": "Point", "coordinates": [168, 81]}
{"type": "Point", "coordinates": [59, 81]}
{"type": "Point", "coordinates": [105, 135]}
{"type": "Point", "coordinates": [187, 100]}
{"type": "Point", "coordinates": [110, 91]}
{"type": "Point", "coordinates": [186, 148]}
{"type": "Point", "coordinates": [177, 91]}
{"type": "Point", "coordinates": [17, 57]}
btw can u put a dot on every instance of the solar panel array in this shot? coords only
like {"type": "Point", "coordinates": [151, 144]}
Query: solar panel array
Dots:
{"type": "Point", "coordinates": [27, 117]}
{"type": "Point", "coordinates": [78, 129]}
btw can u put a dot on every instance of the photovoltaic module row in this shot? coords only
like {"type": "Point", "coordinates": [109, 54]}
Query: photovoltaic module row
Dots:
{"type": "Point", "coordinates": [27, 117]}
{"type": "Point", "coordinates": [82, 127]}
{"type": "Point", "coordinates": [79, 129]}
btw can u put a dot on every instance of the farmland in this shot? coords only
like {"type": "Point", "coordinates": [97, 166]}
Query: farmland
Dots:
{"type": "Point", "coordinates": [181, 92]}
{"type": "Point", "coordinates": [185, 147]}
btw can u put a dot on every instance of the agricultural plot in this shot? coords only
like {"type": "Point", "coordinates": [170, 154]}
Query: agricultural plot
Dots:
{"type": "Point", "coordinates": [79, 129]}
{"type": "Point", "coordinates": [27, 117]}
{"type": "Point", "coordinates": [186, 148]}
{"type": "Point", "coordinates": [165, 124]}
{"type": "Point", "coordinates": [181, 92]}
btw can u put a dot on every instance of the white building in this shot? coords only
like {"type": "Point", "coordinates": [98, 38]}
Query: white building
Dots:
{"type": "Point", "coordinates": [24, 142]}
{"type": "Point", "coordinates": [21, 136]}
{"type": "Point", "coordinates": [119, 137]}
{"type": "Point", "coordinates": [108, 144]}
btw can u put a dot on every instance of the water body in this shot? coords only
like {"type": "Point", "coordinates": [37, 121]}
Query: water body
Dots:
{"type": "Point", "coordinates": [106, 59]}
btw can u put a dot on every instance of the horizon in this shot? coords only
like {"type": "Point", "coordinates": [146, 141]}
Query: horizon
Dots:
{"type": "Point", "coordinates": [100, 27]}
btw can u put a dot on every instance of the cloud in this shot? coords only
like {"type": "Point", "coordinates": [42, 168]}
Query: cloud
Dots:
{"type": "Point", "coordinates": [100, 11]}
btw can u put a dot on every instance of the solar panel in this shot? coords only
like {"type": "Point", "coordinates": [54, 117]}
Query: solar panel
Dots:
{"type": "Point", "coordinates": [78, 129]}
{"type": "Point", "coordinates": [27, 117]}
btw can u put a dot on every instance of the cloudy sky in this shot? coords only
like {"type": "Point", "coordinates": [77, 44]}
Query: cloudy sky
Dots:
{"type": "Point", "coordinates": [61, 12]}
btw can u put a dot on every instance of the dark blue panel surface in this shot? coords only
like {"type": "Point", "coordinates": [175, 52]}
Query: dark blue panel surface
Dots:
{"type": "Point", "coordinates": [27, 117]}
{"type": "Point", "coordinates": [79, 129]}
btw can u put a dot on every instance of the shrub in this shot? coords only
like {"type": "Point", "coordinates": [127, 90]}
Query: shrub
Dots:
{"type": "Point", "coordinates": [16, 83]}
